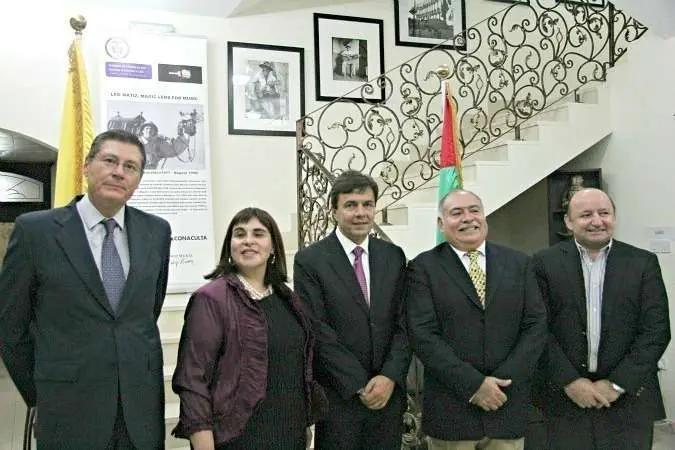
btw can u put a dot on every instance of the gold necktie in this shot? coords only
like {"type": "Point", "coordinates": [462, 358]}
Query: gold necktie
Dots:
{"type": "Point", "coordinates": [477, 275]}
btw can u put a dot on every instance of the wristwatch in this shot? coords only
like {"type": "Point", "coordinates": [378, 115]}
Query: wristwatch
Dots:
{"type": "Point", "coordinates": [618, 388]}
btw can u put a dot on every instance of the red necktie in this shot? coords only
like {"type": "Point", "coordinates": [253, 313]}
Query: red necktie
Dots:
{"type": "Point", "coordinates": [360, 274]}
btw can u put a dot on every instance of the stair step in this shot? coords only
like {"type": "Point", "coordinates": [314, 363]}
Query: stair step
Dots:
{"type": "Point", "coordinates": [169, 395]}
{"type": "Point", "coordinates": [171, 320]}
{"type": "Point", "coordinates": [171, 412]}
{"type": "Point", "coordinates": [473, 170]}
{"type": "Point", "coordinates": [170, 347]}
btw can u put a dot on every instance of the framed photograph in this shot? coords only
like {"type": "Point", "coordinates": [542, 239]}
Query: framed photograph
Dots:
{"type": "Point", "coordinates": [348, 51]}
{"type": "Point", "coordinates": [427, 23]}
{"type": "Point", "coordinates": [598, 3]}
{"type": "Point", "coordinates": [265, 88]}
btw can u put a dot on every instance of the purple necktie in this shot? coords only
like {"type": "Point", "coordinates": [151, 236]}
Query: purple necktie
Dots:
{"type": "Point", "coordinates": [360, 274]}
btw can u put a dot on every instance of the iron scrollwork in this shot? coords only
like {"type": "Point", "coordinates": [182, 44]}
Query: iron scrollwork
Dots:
{"type": "Point", "coordinates": [515, 64]}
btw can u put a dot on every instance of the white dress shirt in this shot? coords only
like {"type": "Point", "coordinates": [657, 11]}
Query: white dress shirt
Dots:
{"type": "Point", "coordinates": [594, 280]}
{"type": "Point", "coordinates": [95, 231]}
{"type": "Point", "coordinates": [348, 245]}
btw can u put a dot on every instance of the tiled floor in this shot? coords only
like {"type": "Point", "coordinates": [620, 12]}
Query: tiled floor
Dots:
{"type": "Point", "coordinates": [13, 411]}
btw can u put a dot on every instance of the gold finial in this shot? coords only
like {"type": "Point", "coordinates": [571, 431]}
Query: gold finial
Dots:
{"type": "Point", "coordinates": [78, 23]}
{"type": "Point", "coordinates": [443, 71]}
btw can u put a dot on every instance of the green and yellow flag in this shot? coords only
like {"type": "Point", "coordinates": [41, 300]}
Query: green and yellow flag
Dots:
{"type": "Point", "coordinates": [450, 175]}
{"type": "Point", "coordinates": [77, 130]}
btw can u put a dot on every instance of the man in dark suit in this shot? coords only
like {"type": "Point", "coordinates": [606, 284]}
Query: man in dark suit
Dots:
{"type": "Point", "coordinates": [79, 300]}
{"type": "Point", "coordinates": [608, 327]}
{"type": "Point", "coordinates": [353, 285]}
{"type": "Point", "coordinates": [477, 323]}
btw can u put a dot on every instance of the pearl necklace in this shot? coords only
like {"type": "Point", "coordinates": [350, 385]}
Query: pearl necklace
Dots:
{"type": "Point", "coordinates": [252, 292]}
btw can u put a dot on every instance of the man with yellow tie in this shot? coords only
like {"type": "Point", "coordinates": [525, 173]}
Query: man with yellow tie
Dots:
{"type": "Point", "coordinates": [477, 322]}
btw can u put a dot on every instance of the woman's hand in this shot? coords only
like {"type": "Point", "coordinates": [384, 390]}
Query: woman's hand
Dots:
{"type": "Point", "coordinates": [203, 440]}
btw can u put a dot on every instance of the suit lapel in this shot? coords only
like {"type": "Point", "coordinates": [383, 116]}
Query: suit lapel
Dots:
{"type": "Point", "coordinates": [571, 262]}
{"type": "Point", "coordinates": [72, 239]}
{"type": "Point", "coordinates": [138, 239]}
{"type": "Point", "coordinates": [343, 268]}
{"type": "Point", "coordinates": [450, 263]}
{"type": "Point", "coordinates": [614, 271]}
{"type": "Point", "coordinates": [494, 268]}
{"type": "Point", "coordinates": [377, 268]}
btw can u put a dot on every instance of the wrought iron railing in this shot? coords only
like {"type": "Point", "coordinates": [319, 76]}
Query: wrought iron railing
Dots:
{"type": "Point", "coordinates": [516, 64]}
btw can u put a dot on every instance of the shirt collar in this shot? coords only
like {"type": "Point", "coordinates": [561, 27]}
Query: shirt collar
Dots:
{"type": "Point", "coordinates": [461, 253]}
{"type": "Point", "coordinates": [348, 245]}
{"type": "Point", "coordinates": [583, 251]}
{"type": "Point", "coordinates": [92, 216]}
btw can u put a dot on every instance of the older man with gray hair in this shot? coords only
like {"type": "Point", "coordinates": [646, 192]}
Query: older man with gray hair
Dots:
{"type": "Point", "coordinates": [477, 323]}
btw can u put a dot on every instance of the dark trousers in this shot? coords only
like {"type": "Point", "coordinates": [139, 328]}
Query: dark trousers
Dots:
{"type": "Point", "coordinates": [535, 433]}
{"type": "Point", "coordinates": [120, 438]}
{"type": "Point", "coordinates": [351, 426]}
{"type": "Point", "coordinates": [592, 431]}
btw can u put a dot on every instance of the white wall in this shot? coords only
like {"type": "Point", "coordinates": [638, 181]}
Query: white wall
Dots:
{"type": "Point", "coordinates": [638, 160]}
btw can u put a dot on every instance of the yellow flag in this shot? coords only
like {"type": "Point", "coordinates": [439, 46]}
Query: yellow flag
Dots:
{"type": "Point", "coordinates": [77, 130]}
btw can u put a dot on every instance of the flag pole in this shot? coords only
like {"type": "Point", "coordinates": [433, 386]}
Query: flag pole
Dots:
{"type": "Point", "coordinates": [77, 125]}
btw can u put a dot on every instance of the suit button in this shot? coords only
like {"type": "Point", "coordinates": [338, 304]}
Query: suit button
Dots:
{"type": "Point", "coordinates": [583, 333]}
{"type": "Point", "coordinates": [583, 365]}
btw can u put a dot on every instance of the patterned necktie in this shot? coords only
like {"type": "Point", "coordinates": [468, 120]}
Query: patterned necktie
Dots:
{"type": "Point", "coordinates": [477, 275]}
{"type": "Point", "coordinates": [112, 273]}
{"type": "Point", "coordinates": [360, 274]}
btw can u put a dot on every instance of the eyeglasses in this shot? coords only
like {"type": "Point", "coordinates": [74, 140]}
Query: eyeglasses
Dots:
{"type": "Point", "coordinates": [111, 162]}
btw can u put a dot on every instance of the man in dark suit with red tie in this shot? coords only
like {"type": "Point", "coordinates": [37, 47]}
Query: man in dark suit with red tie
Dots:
{"type": "Point", "coordinates": [80, 291]}
{"type": "Point", "coordinates": [353, 285]}
{"type": "Point", "coordinates": [477, 323]}
{"type": "Point", "coordinates": [608, 327]}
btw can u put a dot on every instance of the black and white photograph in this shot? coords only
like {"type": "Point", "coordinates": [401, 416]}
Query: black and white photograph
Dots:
{"type": "Point", "coordinates": [350, 59]}
{"type": "Point", "coordinates": [348, 52]}
{"type": "Point", "coordinates": [266, 88]}
{"type": "Point", "coordinates": [427, 23]}
{"type": "Point", "coordinates": [172, 133]}
{"type": "Point", "coordinates": [598, 3]}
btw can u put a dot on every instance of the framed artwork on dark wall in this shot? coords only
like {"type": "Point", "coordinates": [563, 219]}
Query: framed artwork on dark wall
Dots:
{"type": "Point", "coordinates": [427, 23]}
{"type": "Point", "coordinates": [265, 87]}
{"type": "Point", "coordinates": [348, 51]}
{"type": "Point", "coordinates": [598, 3]}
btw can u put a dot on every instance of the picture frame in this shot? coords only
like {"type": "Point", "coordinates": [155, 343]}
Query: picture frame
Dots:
{"type": "Point", "coordinates": [420, 28]}
{"type": "Point", "coordinates": [593, 3]}
{"type": "Point", "coordinates": [265, 88]}
{"type": "Point", "coordinates": [348, 52]}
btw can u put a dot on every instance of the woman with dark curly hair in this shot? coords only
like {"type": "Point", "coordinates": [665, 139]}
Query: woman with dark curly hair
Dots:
{"type": "Point", "coordinates": [244, 371]}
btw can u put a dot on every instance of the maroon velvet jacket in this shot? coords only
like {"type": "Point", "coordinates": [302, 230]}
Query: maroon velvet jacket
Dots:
{"type": "Point", "coordinates": [221, 374]}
